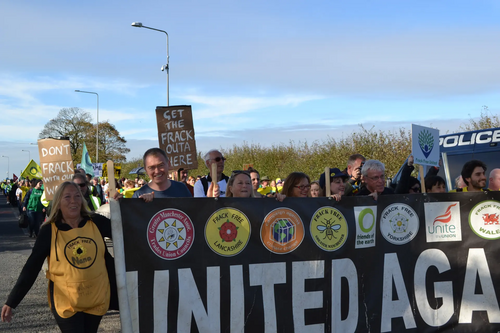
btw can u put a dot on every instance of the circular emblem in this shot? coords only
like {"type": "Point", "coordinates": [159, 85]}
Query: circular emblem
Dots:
{"type": "Point", "coordinates": [282, 231]}
{"type": "Point", "coordinates": [81, 252]}
{"type": "Point", "coordinates": [227, 231]}
{"type": "Point", "coordinates": [399, 223]}
{"type": "Point", "coordinates": [366, 220]}
{"type": "Point", "coordinates": [170, 234]}
{"type": "Point", "coordinates": [33, 171]}
{"type": "Point", "coordinates": [328, 228]}
{"type": "Point", "coordinates": [484, 219]}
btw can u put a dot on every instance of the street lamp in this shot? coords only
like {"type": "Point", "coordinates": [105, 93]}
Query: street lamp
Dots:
{"type": "Point", "coordinates": [97, 124]}
{"type": "Point", "coordinates": [29, 154]}
{"type": "Point", "coordinates": [165, 67]}
{"type": "Point", "coordinates": [8, 164]}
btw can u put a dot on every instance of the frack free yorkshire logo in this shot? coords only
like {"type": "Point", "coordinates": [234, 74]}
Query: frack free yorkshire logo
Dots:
{"type": "Point", "coordinates": [227, 231]}
{"type": "Point", "coordinates": [170, 234]}
{"type": "Point", "coordinates": [399, 223]}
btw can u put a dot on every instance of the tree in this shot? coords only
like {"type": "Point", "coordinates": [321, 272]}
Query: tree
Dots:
{"type": "Point", "coordinates": [73, 123]}
{"type": "Point", "coordinates": [76, 124]}
{"type": "Point", "coordinates": [485, 121]}
{"type": "Point", "coordinates": [111, 144]}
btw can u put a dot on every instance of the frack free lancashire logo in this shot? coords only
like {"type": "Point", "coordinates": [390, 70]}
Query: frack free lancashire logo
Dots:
{"type": "Point", "coordinates": [328, 228]}
{"type": "Point", "coordinates": [484, 219]}
{"type": "Point", "coordinates": [227, 231]}
{"type": "Point", "coordinates": [399, 223]}
{"type": "Point", "coordinates": [81, 252]}
{"type": "Point", "coordinates": [170, 234]}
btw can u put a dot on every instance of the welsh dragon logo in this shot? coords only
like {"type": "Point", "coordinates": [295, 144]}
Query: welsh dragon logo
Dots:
{"type": "Point", "coordinates": [426, 142]}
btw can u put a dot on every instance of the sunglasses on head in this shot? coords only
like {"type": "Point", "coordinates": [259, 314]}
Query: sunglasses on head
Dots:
{"type": "Point", "coordinates": [237, 172]}
{"type": "Point", "coordinates": [218, 159]}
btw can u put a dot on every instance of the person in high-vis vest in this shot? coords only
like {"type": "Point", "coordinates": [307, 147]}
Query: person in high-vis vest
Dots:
{"type": "Point", "coordinates": [92, 201]}
{"type": "Point", "coordinates": [72, 240]}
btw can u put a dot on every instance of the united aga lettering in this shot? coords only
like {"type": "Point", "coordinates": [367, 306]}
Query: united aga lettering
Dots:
{"type": "Point", "coordinates": [268, 275]}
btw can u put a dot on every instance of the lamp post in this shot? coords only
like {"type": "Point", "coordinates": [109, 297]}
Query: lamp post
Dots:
{"type": "Point", "coordinates": [8, 164]}
{"type": "Point", "coordinates": [29, 154]}
{"type": "Point", "coordinates": [165, 67]}
{"type": "Point", "coordinates": [97, 124]}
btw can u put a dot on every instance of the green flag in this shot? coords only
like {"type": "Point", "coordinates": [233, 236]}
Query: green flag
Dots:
{"type": "Point", "coordinates": [32, 170]}
{"type": "Point", "coordinates": [86, 163]}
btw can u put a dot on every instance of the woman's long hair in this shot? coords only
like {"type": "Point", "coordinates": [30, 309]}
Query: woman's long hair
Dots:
{"type": "Point", "coordinates": [293, 179]}
{"type": "Point", "coordinates": [55, 211]}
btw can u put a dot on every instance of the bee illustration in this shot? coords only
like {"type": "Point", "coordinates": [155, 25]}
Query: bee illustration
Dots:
{"type": "Point", "coordinates": [329, 227]}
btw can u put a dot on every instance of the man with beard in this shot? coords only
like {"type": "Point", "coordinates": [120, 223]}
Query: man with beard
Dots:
{"type": "Point", "coordinates": [473, 174]}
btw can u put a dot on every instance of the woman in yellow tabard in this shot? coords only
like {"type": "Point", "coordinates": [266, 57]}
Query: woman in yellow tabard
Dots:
{"type": "Point", "coordinates": [72, 241]}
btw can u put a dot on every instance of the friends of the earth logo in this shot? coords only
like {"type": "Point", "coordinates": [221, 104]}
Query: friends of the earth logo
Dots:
{"type": "Point", "coordinates": [399, 223]}
{"type": "Point", "coordinates": [282, 231]}
{"type": "Point", "coordinates": [484, 219]}
{"type": "Point", "coordinates": [170, 234]}
{"type": "Point", "coordinates": [442, 221]}
{"type": "Point", "coordinates": [81, 252]}
{"type": "Point", "coordinates": [426, 142]}
{"type": "Point", "coordinates": [227, 231]}
{"type": "Point", "coordinates": [366, 225]}
{"type": "Point", "coordinates": [328, 228]}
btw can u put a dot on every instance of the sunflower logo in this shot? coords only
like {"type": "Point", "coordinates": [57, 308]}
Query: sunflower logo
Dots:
{"type": "Point", "coordinates": [79, 251]}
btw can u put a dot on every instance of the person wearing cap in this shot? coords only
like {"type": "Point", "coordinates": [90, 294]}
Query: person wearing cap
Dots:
{"type": "Point", "coordinates": [338, 181]}
{"type": "Point", "coordinates": [264, 188]}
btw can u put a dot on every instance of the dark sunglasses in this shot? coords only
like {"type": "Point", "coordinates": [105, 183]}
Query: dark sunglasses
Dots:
{"type": "Point", "coordinates": [415, 188]}
{"type": "Point", "coordinates": [82, 185]}
{"type": "Point", "coordinates": [218, 159]}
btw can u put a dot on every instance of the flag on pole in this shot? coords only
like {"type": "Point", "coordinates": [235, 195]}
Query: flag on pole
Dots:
{"type": "Point", "coordinates": [86, 163]}
{"type": "Point", "coordinates": [14, 177]}
{"type": "Point", "coordinates": [32, 170]}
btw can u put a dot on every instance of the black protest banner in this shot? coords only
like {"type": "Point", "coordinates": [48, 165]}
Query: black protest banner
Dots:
{"type": "Point", "coordinates": [411, 263]}
{"type": "Point", "coordinates": [176, 135]}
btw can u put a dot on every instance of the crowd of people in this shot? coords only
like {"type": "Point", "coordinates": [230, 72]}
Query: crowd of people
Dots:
{"type": "Point", "coordinates": [58, 224]}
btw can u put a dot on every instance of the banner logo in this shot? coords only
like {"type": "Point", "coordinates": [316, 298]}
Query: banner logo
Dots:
{"type": "Point", "coordinates": [366, 220]}
{"type": "Point", "coordinates": [484, 219]}
{"type": "Point", "coordinates": [399, 223]}
{"type": "Point", "coordinates": [328, 229]}
{"type": "Point", "coordinates": [81, 252]}
{"type": "Point", "coordinates": [282, 231]}
{"type": "Point", "coordinates": [227, 231]}
{"type": "Point", "coordinates": [442, 221]}
{"type": "Point", "coordinates": [426, 142]}
{"type": "Point", "coordinates": [170, 234]}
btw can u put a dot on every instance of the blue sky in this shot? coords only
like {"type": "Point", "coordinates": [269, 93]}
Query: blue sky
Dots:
{"type": "Point", "coordinates": [264, 72]}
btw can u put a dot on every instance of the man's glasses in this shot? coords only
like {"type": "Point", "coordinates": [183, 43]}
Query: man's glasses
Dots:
{"type": "Point", "coordinates": [377, 178]}
{"type": "Point", "coordinates": [81, 185]}
{"type": "Point", "coordinates": [415, 189]}
{"type": "Point", "coordinates": [303, 187]}
{"type": "Point", "coordinates": [218, 159]}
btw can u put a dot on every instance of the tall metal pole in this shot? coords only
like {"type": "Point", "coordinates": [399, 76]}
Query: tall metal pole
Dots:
{"type": "Point", "coordinates": [8, 165]}
{"type": "Point", "coordinates": [29, 155]}
{"type": "Point", "coordinates": [97, 124]}
{"type": "Point", "coordinates": [163, 68]}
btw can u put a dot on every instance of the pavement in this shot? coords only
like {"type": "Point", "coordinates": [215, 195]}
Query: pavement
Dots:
{"type": "Point", "coordinates": [33, 314]}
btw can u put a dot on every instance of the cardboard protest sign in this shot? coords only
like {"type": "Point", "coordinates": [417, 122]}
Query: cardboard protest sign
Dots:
{"type": "Point", "coordinates": [425, 145]}
{"type": "Point", "coordinates": [56, 164]}
{"type": "Point", "coordinates": [176, 136]}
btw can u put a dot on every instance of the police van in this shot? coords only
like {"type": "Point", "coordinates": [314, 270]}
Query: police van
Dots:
{"type": "Point", "coordinates": [483, 145]}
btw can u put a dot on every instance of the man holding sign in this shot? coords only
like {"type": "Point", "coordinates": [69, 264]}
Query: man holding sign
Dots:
{"type": "Point", "coordinates": [156, 165]}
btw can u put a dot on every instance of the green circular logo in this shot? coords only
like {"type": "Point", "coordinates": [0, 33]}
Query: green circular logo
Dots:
{"type": "Point", "coordinates": [366, 213]}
